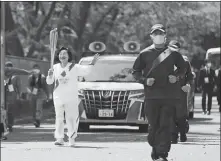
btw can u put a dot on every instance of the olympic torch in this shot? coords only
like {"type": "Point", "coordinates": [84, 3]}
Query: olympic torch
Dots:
{"type": "Point", "coordinates": [53, 44]}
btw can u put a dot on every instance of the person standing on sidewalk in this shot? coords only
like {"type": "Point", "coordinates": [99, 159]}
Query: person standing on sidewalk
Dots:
{"type": "Point", "coordinates": [154, 68]}
{"type": "Point", "coordinates": [206, 84]}
{"type": "Point", "coordinates": [12, 95]}
{"type": "Point", "coordinates": [38, 93]}
{"type": "Point", "coordinates": [218, 86]}
{"type": "Point", "coordinates": [64, 75]}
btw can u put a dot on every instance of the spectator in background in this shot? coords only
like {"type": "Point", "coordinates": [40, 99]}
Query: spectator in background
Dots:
{"type": "Point", "coordinates": [206, 84]}
{"type": "Point", "coordinates": [12, 95]}
{"type": "Point", "coordinates": [38, 93]}
{"type": "Point", "coordinates": [218, 86]}
{"type": "Point", "coordinates": [9, 71]}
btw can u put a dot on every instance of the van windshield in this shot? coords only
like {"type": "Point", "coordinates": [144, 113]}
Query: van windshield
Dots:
{"type": "Point", "coordinates": [213, 55]}
{"type": "Point", "coordinates": [110, 71]}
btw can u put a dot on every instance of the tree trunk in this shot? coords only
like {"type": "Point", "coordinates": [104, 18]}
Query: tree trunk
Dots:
{"type": "Point", "coordinates": [98, 24]}
{"type": "Point", "coordinates": [12, 42]}
{"type": "Point", "coordinates": [84, 14]}
{"type": "Point", "coordinates": [114, 16]}
{"type": "Point", "coordinates": [40, 28]}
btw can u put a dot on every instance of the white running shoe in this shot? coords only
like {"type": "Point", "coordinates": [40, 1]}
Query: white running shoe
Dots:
{"type": "Point", "coordinates": [71, 142]}
{"type": "Point", "coordinates": [59, 142]}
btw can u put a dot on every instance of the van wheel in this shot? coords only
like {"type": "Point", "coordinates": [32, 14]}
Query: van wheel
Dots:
{"type": "Point", "coordinates": [143, 128]}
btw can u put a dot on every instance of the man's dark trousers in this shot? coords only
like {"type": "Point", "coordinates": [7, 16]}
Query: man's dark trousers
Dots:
{"type": "Point", "coordinates": [159, 113]}
{"type": "Point", "coordinates": [207, 92]}
{"type": "Point", "coordinates": [180, 117]}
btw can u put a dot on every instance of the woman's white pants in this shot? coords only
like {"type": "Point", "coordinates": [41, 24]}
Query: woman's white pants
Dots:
{"type": "Point", "coordinates": [71, 111]}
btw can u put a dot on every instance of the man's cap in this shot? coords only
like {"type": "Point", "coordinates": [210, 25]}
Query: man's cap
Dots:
{"type": "Point", "coordinates": [174, 44]}
{"type": "Point", "coordinates": [159, 27]}
{"type": "Point", "coordinates": [8, 64]}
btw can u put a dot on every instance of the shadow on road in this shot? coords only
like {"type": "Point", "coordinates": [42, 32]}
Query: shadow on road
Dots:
{"type": "Point", "coordinates": [203, 121]}
{"type": "Point", "coordinates": [31, 134]}
{"type": "Point", "coordinates": [94, 135]}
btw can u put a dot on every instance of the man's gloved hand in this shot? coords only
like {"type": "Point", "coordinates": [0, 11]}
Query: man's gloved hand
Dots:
{"type": "Point", "coordinates": [172, 79]}
{"type": "Point", "coordinates": [150, 81]}
{"type": "Point", "coordinates": [186, 88]}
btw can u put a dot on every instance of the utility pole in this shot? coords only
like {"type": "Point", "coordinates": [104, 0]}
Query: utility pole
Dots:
{"type": "Point", "coordinates": [2, 54]}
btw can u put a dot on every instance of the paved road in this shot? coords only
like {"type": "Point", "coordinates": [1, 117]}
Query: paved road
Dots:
{"type": "Point", "coordinates": [113, 144]}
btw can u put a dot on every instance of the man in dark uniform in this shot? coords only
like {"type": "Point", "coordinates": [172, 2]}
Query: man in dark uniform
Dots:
{"type": "Point", "coordinates": [206, 84]}
{"type": "Point", "coordinates": [180, 123]}
{"type": "Point", "coordinates": [9, 71]}
{"type": "Point", "coordinates": [39, 92]}
{"type": "Point", "coordinates": [154, 68]}
{"type": "Point", "coordinates": [12, 94]}
{"type": "Point", "coordinates": [218, 87]}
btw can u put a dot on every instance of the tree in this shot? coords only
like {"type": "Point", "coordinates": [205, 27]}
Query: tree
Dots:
{"type": "Point", "coordinates": [11, 37]}
{"type": "Point", "coordinates": [194, 24]}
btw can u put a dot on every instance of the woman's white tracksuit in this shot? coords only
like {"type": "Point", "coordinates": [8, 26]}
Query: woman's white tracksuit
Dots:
{"type": "Point", "coordinates": [65, 96]}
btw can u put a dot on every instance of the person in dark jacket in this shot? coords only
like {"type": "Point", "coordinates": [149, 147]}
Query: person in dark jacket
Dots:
{"type": "Point", "coordinates": [218, 86]}
{"type": "Point", "coordinates": [206, 84]}
{"type": "Point", "coordinates": [154, 68]}
{"type": "Point", "coordinates": [180, 122]}
{"type": "Point", "coordinates": [12, 94]}
{"type": "Point", "coordinates": [9, 71]}
{"type": "Point", "coordinates": [39, 92]}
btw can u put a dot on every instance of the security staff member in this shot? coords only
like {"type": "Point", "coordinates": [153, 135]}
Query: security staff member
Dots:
{"type": "Point", "coordinates": [154, 68]}
{"type": "Point", "coordinates": [39, 92]}
{"type": "Point", "coordinates": [9, 71]}
{"type": "Point", "coordinates": [12, 94]}
{"type": "Point", "coordinates": [180, 122]}
{"type": "Point", "coordinates": [206, 84]}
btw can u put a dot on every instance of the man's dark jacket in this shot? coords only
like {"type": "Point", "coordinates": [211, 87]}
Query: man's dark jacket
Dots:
{"type": "Point", "coordinates": [162, 88]}
{"type": "Point", "coordinates": [204, 73]}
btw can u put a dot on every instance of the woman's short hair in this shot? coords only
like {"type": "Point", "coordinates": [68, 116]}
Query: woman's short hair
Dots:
{"type": "Point", "coordinates": [56, 59]}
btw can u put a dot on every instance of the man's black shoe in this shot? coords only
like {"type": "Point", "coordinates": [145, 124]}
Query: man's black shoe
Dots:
{"type": "Point", "coordinates": [37, 123]}
{"type": "Point", "coordinates": [174, 138]}
{"type": "Point", "coordinates": [153, 154]}
{"type": "Point", "coordinates": [183, 138]}
{"type": "Point", "coordinates": [10, 129]}
{"type": "Point", "coordinates": [161, 159]}
{"type": "Point", "coordinates": [3, 138]}
{"type": "Point", "coordinates": [208, 113]}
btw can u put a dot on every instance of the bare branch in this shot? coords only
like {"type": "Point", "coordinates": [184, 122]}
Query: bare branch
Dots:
{"type": "Point", "coordinates": [40, 28]}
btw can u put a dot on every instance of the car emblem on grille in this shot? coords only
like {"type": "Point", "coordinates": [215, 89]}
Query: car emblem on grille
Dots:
{"type": "Point", "coordinates": [106, 94]}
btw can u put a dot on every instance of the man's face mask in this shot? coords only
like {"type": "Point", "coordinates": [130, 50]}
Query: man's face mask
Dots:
{"type": "Point", "coordinates": [36, 71]}
{"type": "Point", "coordinates": [158, 37]}
{"type": "Point", "coordinates": [209, 65]}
